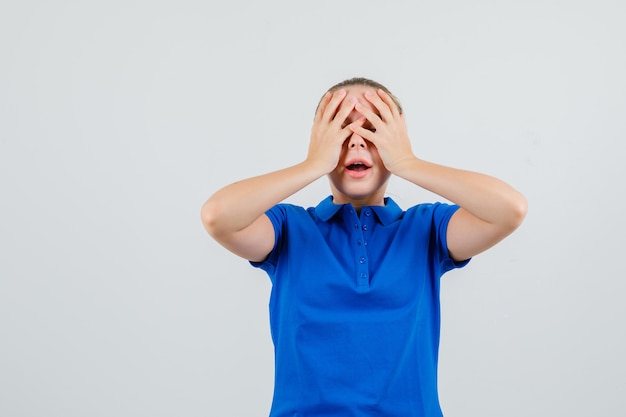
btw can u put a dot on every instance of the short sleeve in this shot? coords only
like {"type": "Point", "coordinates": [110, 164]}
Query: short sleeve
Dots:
{"type": "Point", "coordinates": [278, 217]}
{"type": "Point", "coordinates": [442, 213]}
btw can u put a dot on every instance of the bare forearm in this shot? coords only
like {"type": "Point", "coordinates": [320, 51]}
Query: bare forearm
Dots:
{"type": "Point", "coordinates": [237, 205]}
{"type": "Point", "coordinates": [486, 197]}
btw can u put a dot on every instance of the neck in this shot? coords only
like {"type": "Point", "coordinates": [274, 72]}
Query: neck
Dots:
{"type": "Point", "coordinates": [358, 203]}
{"type": "Point", "coordinates": [376, 198]}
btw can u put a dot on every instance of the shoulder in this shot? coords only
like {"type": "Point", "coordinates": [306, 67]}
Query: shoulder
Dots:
{"type": "Point", "coordinates": [287, 209]}
{"type": "Point", "coordinates": [285, 214]}
{"type": "Point", "coordinates": [324, 210]}
{"type": "Point", "coordinates": [438, 212]}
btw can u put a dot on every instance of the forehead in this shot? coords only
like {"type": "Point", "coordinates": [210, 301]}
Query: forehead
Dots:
{"type": "Point", "coordinates": [358, 91]}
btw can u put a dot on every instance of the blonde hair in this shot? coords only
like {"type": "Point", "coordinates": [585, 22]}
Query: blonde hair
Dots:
{"type": "Point", "coordinates": [367, 83]}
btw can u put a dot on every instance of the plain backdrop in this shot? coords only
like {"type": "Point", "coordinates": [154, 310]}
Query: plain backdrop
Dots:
{"type": "Point", "coordinates": [118, 119]}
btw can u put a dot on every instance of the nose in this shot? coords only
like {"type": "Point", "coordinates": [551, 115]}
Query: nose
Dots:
{"type": "Point", "coordinates": [356, 141]}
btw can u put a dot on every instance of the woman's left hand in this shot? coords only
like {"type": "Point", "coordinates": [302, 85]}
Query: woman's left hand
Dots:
{"type": "Point", "coordinates": [389, 133]}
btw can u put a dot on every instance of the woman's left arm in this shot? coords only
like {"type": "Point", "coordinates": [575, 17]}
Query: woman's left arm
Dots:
{"type": "Point", "coordinates": [490, 208]}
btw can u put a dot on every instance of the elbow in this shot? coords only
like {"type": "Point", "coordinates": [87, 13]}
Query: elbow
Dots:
{"type": "Point", "coordinates": [519, 208]}
{"type": "Point", "coordinates": [210, 215]}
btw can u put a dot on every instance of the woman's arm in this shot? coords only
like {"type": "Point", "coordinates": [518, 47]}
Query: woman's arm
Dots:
{"type": "Point", "coordinates": [490, 209]}
{"type": "Point", "coordinates": [235, 215]}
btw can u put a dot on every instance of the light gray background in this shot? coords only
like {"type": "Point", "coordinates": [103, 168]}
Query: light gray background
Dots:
{"type": "Point", "coordinates": [119, 118]}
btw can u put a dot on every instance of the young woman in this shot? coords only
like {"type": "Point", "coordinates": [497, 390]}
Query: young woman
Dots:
{"type": "Point", "coordinates": [354, 309]}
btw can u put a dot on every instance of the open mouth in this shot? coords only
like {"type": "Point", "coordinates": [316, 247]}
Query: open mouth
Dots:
{"type": "Point", "coordinates": [357, 166]}
{"type": "Point", "coordinates": [357, 169]}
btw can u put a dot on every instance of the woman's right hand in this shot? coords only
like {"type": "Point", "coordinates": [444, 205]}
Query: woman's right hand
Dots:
{"type": "Point", "coordinates": [330, 130]}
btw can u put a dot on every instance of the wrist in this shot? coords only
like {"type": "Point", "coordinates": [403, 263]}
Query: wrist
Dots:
{"type": "Point", "coordinates": [316, 168]}
{"type": "Point", "coordinates": [404, 165]}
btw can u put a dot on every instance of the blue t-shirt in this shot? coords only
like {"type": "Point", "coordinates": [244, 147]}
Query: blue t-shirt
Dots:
{"type": "Point", "coordinates": [354, 308]}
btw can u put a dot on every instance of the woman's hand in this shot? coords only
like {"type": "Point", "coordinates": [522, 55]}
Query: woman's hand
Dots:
{"type": "Point", "coordinates": [388, 132]}
{"type": "Point", "coordinates": [328, 132]}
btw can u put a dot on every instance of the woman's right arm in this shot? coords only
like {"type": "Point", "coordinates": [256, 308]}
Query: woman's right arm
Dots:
{"type": "Point", "coordinates": [235, 215]}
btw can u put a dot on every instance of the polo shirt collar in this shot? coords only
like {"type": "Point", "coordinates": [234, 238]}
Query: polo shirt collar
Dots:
{"type": "Point", "coordinates": [386, 214]}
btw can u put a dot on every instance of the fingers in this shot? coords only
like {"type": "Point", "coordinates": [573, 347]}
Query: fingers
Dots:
{"type": "Point", "coordinates": [389, 102]}
{"type": "Point", "coordinates": [328, 105]}
{"type": "Point", "coordinates": [372, 117]}
{"type": "Point", "coordinates": [331, 108]}
{"type": "Point", "coordinates": [385, 113]}
{"type": "Point", "coordinates": [351, 127]}
{"type": "Point", "coordinates": [344, 111]}
{"type": "Point", "coordinates": [357, 127]}
{"type": "Point", "coordinates": [322, 106]}
{"type": "Point", "coordinates": [383, 108]}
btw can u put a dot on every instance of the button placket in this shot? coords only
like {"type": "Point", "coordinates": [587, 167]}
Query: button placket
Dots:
{"type": "Point", "coordinates": [363, 276]}
{"type": "Point", "coordinates": [361, 262]}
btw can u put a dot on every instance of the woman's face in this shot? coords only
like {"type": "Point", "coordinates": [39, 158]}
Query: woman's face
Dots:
{"type": "Point", "coordinates": [360, 177]}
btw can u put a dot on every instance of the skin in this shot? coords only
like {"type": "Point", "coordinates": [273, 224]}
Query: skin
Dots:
{"type": "Point", "coordinates": [364, 124]}
{"type": "Point", "coordinates": [368, 190]}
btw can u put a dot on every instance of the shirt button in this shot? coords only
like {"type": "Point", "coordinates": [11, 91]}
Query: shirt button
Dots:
{"type": "Point", "coordinates": [363, 275]}
{"type": "Point", "coordinates": [364, 227]}
{"type": "Point", "coordinates": [362, 260]}
{"type": "Point", "coordinates": [368, 213]}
